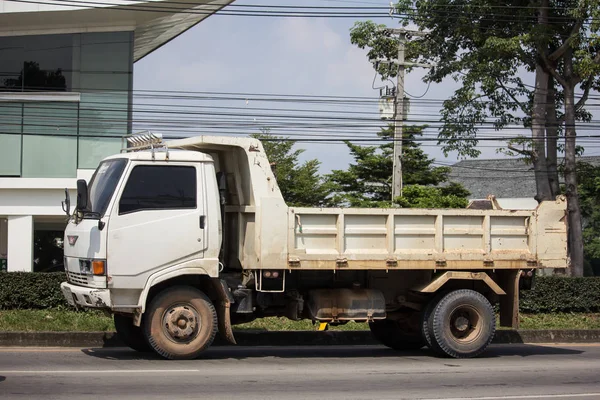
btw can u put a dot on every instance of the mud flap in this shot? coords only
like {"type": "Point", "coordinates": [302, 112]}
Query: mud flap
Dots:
{"type": "Point", "coordinates": [509, 303]}
{"type": "Point", "coordinates": [223, 311]}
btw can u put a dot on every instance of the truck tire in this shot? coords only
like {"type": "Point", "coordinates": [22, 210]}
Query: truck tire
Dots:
{"type": "Point", "coordinates": [131, 335]}
{"type": "Point", "coordinates": [396, 335]}
{"type": "Point", "coordinates": [462, 324]}
{"type": "Point", "coordinates": [427, 321]}
{"type": "Point", "coordinates": [181, 323]}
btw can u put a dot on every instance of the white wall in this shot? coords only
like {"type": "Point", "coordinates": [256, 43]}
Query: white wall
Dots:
{"type": "Point", "coordinates": [33, 201]}
{"type": "Point", "coordinates": [38, 196]}
{"type": "Point", "coordinates": [20, 243]}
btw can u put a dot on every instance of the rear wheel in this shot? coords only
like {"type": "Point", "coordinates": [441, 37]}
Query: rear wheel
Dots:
{"type": "Point", "coordinates": [427, 321]}
{"type": "Point", "coordinates": [402, 334]}
{"type": "Point", "coordinates": [131, 335]}
{"type": "Point", "coordinates": [181, 323]}
{"type": "Point", "coordinates": [462, 324]}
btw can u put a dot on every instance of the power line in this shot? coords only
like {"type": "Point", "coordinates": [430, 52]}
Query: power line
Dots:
{"type": "Point", "coordinates": [314, 130]}
{"type": "Point", "coordinates": [426, 103]}
{"type": "Point", "coordinates": [171, 10]}
{"type": "Point", "coordinates": [268, 11]}
{"type": "Point", "coordinates": [250, 96]}
{"type": "Point", "coordinates": [367, 5]}
{"type": "Point", "coordinates": [289, 118]}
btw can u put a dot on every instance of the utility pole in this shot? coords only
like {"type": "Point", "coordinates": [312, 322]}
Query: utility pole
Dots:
{"type": "Point", "coordinates": [398, 119]}
{"type": "Point", "coordinates": [399, 106]}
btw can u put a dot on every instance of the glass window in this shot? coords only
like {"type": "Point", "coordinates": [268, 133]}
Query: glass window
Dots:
{"type": "Point", "coordinates": [92, 150]}
{"type": "Point", "coordinates": [47, 156]}
{"type": "Point", "coordinates": [10, 139]}
{"type": "Point", "coordinates": [10, 155]}
{"type": "Point", "coordinates": [106, 83]}
{"type": "Point", "coordinates": [103, 184]}
{"type": "Point", "coordinates": [151, 187]}
{"type": "Point", "coordinates": [50, 118]}
{"type": "Point", "coordinates": [47, 255]}
{"type": "Point", "coordinates": [36, 63]}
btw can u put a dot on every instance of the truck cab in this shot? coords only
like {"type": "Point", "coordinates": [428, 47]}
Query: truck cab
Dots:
{"type": "Point", "coordinates": [137, 203]}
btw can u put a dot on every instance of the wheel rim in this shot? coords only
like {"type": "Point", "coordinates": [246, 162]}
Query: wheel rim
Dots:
{"type": "Point", "coordinates": [465, 324]}
{"type": "Point", "coordinates": [181, 323]}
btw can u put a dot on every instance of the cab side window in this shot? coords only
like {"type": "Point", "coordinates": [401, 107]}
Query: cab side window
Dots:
{"type": "Point", "coordinates": [153, 187]}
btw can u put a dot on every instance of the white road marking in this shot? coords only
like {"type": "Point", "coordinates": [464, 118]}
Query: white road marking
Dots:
{"type": "Point", "coordinates": [522, 397]}
{"type": "Point", "coordinates": [106, 371]}
{"type": "Point", "coordinates": [41, 349]}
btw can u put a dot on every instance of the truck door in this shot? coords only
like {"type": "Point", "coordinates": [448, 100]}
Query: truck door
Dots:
{"type": "Point", "coordinates": [157, 220]}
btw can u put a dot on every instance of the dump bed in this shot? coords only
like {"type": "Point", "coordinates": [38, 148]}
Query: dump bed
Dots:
{"type": "Point", "coordinates": [428, 238]}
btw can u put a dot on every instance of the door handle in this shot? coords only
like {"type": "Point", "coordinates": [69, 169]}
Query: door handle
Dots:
{"type": "Point", "coordinates": [202, 221]}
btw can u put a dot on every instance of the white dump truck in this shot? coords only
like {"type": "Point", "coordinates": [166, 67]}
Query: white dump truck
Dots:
{"type": "Point", "coordinates": [180, 240]}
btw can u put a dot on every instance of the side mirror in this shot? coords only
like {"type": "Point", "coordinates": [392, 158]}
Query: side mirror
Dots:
{"type": "Point", "coordinates": [66, 205]}
{"type": "Point", "coordinates": [82, 195]}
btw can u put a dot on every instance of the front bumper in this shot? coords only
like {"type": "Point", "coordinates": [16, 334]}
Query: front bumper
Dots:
{"type": "Point", "coordinates": [78, 296]}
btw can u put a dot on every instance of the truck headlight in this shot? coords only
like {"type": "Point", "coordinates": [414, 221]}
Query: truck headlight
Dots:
{"type": "Point", "coordinates": [85, 267]}
{"type": "Point", "coordinates": [92, 267]}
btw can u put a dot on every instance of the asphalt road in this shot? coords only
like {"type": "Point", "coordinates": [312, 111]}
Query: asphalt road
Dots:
{"type": "Point", "coordinates": [520, 372]}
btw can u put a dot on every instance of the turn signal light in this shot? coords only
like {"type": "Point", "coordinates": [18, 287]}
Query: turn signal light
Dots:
{"type": "Point", "coordinates": [99, 267]}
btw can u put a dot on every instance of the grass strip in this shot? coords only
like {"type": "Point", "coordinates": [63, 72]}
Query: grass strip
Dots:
{"type": "Point", "coordinates": [55, 320]}
{"type": "Point", "coordinates": [63, 320]}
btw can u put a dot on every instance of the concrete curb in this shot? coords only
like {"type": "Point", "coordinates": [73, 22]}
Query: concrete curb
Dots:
{"type": "Point", "coordinates": [290, 338]}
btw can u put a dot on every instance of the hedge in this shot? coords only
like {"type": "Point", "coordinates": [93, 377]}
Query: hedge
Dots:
{"type": "Point", "coordinates": [561, 294]}
{"type": "Point", "coordinates": [27, 290]}
{"type": "Point", "coordinates": [32, 290]}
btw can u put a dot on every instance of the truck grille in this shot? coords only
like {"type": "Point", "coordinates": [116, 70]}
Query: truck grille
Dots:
{"type": "Point", "coordinates": [77, 278]}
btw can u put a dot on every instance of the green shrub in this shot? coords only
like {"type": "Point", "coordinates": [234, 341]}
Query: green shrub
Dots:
{"type": "Point", "coordinates": [562, 294]}
{"type": "Point", "coordinates": [32, 290]}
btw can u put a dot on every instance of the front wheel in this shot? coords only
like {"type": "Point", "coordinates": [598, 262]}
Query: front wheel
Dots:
{"type": "Point", "coordinates": [181, 323]}
{"type": "Point", "coordinates": [462, 324]}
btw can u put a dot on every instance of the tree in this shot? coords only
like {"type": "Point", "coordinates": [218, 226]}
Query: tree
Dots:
{"type": "Point", "coordinates": [300, 184]}
{"type": "Point", "coordinates": [570, 54]}
{"type": "Point", "coordinates": [34, 79]}
{"type": "Point", "coordinates": [487, 46]}
{"type": "Point", "coordinates": [419, 196]}
{"type": "Point", "coordinates": [368, 181]}
{"type": "Point", "coordinates": [589, 193]}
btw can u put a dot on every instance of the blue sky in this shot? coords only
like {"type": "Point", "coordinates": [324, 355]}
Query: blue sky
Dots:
{"type": "Point", "coordinates": [281, 56]}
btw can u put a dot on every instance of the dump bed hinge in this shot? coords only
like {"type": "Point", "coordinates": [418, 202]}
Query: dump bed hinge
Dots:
{"type": "Point", "coordinates": [294, 262]}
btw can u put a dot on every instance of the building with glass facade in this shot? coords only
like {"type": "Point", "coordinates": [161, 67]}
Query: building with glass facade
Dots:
{"type": "Point", "coordinates": [66, 78]}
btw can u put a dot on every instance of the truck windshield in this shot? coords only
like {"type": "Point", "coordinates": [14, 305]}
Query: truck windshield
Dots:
{"type": "Point", "coordinates": [102, 186]}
